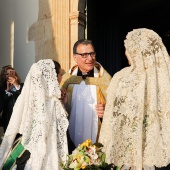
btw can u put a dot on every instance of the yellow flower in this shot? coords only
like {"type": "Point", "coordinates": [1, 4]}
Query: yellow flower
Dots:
{"type": "Point", "coordinates": [85, 156]}
{"type": "Point", "coordinates": [87, 143]}
{"type": "Point", "coordinates": [79, 156]}
{"type": "Point", "coordinates": [83, 167]}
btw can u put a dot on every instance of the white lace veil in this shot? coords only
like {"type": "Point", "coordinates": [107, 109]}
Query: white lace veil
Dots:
{"type": "Point", "coordinates": [40, 117]}
{"type": "Point", "coordinates": [136, 124]}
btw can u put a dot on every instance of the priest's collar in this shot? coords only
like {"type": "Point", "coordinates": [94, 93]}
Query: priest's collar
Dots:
{"type": "Point", "coordinates": [85, 74]}
{"type": "Point", "coordinates": [96, 72]}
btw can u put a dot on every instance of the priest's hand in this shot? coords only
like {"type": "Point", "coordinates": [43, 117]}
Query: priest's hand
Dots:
{"type": "Point", "coordinates": [64, 96]}
{"type": "Point", "coordinates": [100, 109]}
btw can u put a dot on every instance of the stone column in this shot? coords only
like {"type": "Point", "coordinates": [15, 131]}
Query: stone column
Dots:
{"type": "Point", "coordinates": [77, 24]}
{"type": "Point", "coordinates": [60, 24]}
{"type": "Point", "coordinates": [77, 29]}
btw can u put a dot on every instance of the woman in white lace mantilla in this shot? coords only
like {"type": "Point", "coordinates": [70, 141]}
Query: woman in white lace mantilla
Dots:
{"type": "Point", "coordinates": [40, 120]}
{"type": "Point", "coordinates": [136, 124]}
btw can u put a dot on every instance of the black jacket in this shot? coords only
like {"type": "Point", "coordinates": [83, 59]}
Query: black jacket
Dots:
{"type": "Point", "coordinates": [8, 104]}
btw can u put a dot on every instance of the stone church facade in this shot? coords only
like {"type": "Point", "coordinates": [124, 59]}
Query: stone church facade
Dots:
{"type": "Point", "coordinates": [60, 24]}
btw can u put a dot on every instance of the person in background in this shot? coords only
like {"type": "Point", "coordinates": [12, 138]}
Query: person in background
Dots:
{"type": "Point", "coordinates": [59, 73]}
{"type": "Point", "coordinates": [1, 99]}
{"type": "Point", "coordinates": [37, 128]}
{"type": "Point", "coordinates": [85, 83]}
{"type": "Point", "coordinates": [135, 130]}
{"type": "Point", "coordinates": [11, 86]}
{"type": "Point", "coordinates": [1, 105]}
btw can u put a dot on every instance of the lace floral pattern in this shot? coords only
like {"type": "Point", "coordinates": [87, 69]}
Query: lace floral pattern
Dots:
{"type": "Point", "coordinates": [136, 124]}
{"type": "Point", "coordinates": [39, 115]}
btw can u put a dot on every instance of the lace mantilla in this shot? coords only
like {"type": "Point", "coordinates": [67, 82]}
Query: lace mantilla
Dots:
{"type": "Point", "coordinates": [136, 124]}
{"type": "Point", "coordinates": [39, 115]}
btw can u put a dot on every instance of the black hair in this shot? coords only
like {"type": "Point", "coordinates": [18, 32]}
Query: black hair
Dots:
{"type": "Point", "coordinates": [82, 41]}
{"type": "Point", "coordinates": [57, 67]}
{"type": "Point", "coordinates": [3, 78]}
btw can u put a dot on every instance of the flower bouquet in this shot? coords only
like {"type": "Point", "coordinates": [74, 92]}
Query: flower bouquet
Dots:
{"type": "Point", "coordinates": [87, 156]}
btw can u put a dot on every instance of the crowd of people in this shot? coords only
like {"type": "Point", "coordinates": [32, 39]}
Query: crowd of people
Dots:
{"type": "Point", "coordinates": [52, 114]}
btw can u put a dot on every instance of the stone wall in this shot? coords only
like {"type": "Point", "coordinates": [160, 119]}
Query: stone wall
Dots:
{"type": "Point", "coordinates": [59, 25]}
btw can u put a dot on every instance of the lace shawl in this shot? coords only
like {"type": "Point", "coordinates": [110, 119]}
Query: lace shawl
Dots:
{"type": "Point", "coordinates": [136, 124]}
{"type": "Point", "coordinates": [40, 117]}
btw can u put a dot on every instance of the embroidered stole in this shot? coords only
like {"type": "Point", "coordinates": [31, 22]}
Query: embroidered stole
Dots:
{"type": "Point", "coordinates": [16, 152]}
